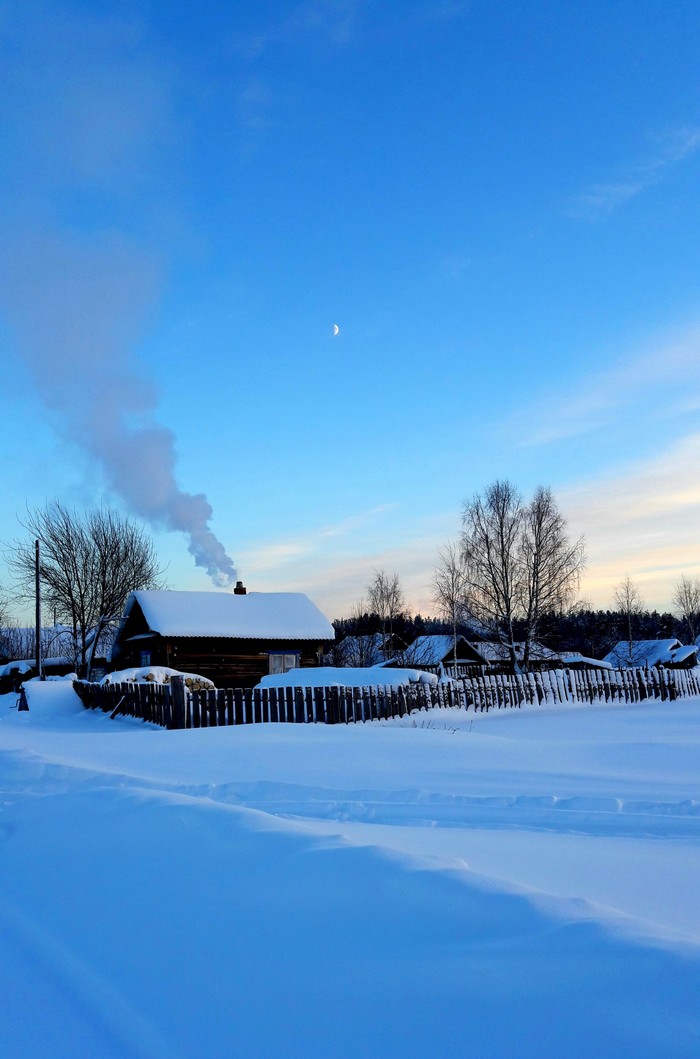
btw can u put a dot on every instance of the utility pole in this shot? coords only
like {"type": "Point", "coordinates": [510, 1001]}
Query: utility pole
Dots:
{"type": "Point", "coordinates": [39, 670]}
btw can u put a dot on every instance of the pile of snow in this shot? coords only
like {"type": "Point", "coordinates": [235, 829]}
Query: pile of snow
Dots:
{"type": "Point", "coordinates": [16, 667]}
{"type": "Point", "coordinates": [157, 675]}
{"type": "Point", "coordinates": [347, 677]}
{"type": "Point", "coordinates": [50, 700]}
{"type": "Point", "coordinates": [54, 676]}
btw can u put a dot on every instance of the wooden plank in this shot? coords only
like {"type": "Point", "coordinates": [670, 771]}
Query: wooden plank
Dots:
{"type": "Point", "coordinates": [220, 706]}
{"type": "Point", "coordinates": [319, 706]}
{"type": "Point", "coordinates": [273, 705]}
{"type": "Point", "coordinates": [248, 714]}
{"type": "Point", "coordinates": [332, 706]}
{"type": "Point", "coordinates": [238, 715]}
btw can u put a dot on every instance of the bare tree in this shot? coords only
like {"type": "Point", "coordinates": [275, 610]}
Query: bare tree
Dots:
{"type": "Point", "coordinates": [359, 649]}
{"type": "Point", "coordinates": [630, 605]}
{"type": "Point", "coordinates": [450, 589]}
{"type": "Point", "coordinates": [492, 525]}
{"type": "Point", "coordinates": [686, 600]}
{"type": "Point", "coordinates": [89, 563]}
{"type": "Point", "coordinates": [551, 564]}
{"type": "Point", "coordinates": [519, 563]}
{"type": "Point", "coordinates": [386, 599]}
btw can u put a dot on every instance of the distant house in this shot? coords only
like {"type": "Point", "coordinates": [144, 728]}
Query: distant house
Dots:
{"type": "Point", "coordinates": [18, 654]}
{"type": "Point", "coordinates": [367, 650]}
{"type": "Point", "coordinates": [439, 649]}
{"type": "Point", "coordinates": [670, 654]}
{"type": "Point", "coordinates": [433, 651]}
{"type": "Point", "coordinates": [497, 654]}
{"type": "Point", "coordinates": [233, 638]}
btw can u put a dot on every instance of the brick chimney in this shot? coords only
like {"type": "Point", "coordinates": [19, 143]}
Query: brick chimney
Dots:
{"type": "Point", "coordinates": [240, 589]}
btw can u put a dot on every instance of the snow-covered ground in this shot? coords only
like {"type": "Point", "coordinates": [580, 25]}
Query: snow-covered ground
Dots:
{"type": "Point", "coordinates": [522, 883]}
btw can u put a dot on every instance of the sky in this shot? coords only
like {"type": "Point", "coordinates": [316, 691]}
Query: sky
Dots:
{"type": "Point", "coordinates": [497, 204]}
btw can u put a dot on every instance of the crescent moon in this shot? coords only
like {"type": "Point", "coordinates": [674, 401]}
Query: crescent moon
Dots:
{"type": "Point", "coordinates": [336, 329]}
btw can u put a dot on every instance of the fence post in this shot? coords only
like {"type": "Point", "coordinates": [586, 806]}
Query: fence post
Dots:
{"type": "Point", "coordinates": [177, 715]}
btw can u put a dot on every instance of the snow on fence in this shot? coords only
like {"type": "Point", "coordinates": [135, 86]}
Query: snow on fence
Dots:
{"type": "Point", "coordinates": [175, 707]}
{"type": "Point", "coordinates": [485, 692]}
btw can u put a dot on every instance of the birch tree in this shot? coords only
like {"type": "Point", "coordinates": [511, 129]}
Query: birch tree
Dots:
{"type": "Point", "coordinates": [551, 564]}
{"type": "Point", "coordinates": [385, 597]}
{"type": "Point", "coordinates": [519, 563]}
{"type": "Point", "coordinates": [89, 563]}
{"type": "Point", "coordinates": [630, 605]}
{"type": "Point", "coordinates": [686, 600]}
{"type": "Point", "coordinates": [450, 589]}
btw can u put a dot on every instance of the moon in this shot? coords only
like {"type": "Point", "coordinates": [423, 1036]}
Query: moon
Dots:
{"type": "Point", "coordinates": [336, 329]}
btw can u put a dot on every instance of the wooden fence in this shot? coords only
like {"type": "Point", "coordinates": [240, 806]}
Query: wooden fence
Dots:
{"type": "Point", "coordinates": [176, 707]}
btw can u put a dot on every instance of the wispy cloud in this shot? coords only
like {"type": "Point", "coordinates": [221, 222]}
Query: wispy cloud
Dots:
{"type": "Point", "coordinates": [665, 375]}
{"type": "Point", "coordinates": [642, 519]}
{"type": "Point", "coordinates": [271, 555]}
{"type": "Point", "coordinates": [602, 199]}
{"type": "Point", "coordinates": [334, 22]}
{"type": "Point", "coordinates": [335, 563]}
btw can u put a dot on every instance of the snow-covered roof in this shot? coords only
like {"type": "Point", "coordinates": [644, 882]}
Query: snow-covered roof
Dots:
{"type": "Point", "coordinates": [492, 651]}
{"type": "Point", "coordinates": [570, 658]}
{"type": "Point", "coordinates": [256, 615]}
{"type": "Point", "coordinates": [431, 650]}
{"type": "Point", "coordinates": [643, 653]}
{"type": "Point", "coordinates": [682, 654]}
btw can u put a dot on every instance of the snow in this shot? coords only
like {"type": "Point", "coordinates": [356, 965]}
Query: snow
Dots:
{"type": "Point", "coordinates": [491, 651]}
{"type": "Point", "coordinates": [521, 883]}
{"type": "Point", "coordinates": [17, 666]}
{"type": "Point", "coordinates": [433, 649]}
{"type": "Point", "coordinates": [571, 658]}
{"type": "Point", "coordinates": [154, 675]}
{"type": "Point", "coordinates": [647, 653]}
{"type": "Point", "coordinates": [256, 615]}
{"type": "Point", "coordinates": [346, 677]}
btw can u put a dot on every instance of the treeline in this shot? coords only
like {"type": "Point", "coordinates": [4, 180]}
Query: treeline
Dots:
{"type": "Point", "coordinates": [405, 626]}
{"type": "Point", "coordinates": [592, 632]}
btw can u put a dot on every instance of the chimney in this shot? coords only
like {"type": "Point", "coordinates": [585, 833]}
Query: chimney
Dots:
{"type": "Point", "coordinates": [240, 589]}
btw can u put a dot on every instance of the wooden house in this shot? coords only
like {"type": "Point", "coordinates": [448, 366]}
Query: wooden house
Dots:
{"type": "Point", "coordinates": [668, 654]}
{"type": "Point", "coordinates": [233, 638]}
{"type": "Point", "coordinates": [438, 649]}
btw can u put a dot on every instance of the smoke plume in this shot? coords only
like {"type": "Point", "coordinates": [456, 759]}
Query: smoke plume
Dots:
{"type": "Point", "coordinates": [82, 262]}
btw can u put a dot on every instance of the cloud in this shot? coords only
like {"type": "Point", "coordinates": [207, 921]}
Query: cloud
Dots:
{"type": "Point", "coordinates": [270, 556]}
{"type": "Point", "coordinates": [664, 380]}
{"type": "Point", "coordinates": [602, 199]}
{"type": "Point", "coordinates": [335, 563]}
{"type": "Point", "coordinates": [333, 22]}
{"type": "Point", "coordinates": [643, 520]}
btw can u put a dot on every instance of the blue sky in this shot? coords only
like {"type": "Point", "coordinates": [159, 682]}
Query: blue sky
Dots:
{"type": "Point", "coordinates": [497, 204]}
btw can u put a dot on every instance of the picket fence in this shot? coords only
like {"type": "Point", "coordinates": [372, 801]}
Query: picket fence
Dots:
{"type": "Point", "coordinates": [174, 706]}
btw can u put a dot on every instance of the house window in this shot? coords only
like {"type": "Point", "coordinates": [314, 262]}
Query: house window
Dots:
{"type": "Point", "coordinates": [282, 663]}
{"type": "Point", "coordinates": [145, 658]}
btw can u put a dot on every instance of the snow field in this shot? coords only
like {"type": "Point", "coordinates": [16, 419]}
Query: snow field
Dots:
{"type": "Point", "coordinates": [521, 883]}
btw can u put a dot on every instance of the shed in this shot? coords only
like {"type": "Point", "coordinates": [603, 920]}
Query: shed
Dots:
{"type": "Point", "coordinates": [234, 639]}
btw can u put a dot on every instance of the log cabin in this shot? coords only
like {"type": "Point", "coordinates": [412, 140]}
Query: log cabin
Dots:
{"type": "Point", "coordinates": [233, 638]}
